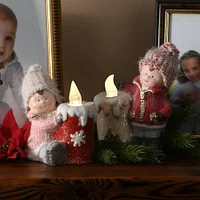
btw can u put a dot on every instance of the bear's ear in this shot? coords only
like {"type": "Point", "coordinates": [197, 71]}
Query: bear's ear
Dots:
{"type": "Point", "coordinates": [9, 122]}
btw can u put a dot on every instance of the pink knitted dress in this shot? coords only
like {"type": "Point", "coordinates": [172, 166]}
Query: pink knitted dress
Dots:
{"type": "Point", "coordinates": [43, 129]}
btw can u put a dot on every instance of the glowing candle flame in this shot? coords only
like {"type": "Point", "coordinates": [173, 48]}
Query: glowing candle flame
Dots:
{"type": "Point", "coordinates": [111, 90]}
{"type": "Point", "coordinates": [75, 98]}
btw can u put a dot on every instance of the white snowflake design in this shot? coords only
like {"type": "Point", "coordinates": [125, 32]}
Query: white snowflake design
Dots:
{"type": "Point", "coordinates": [78, 138]}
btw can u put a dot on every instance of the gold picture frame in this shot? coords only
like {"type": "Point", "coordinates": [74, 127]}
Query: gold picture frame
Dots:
{"type": "Point", "coordinates": [173, 21]}
{"type": "Point", "coordinates": [54, 35]}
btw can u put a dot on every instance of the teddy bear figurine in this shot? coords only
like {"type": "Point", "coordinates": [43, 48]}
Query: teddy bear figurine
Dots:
{"type": "Point", "coordinates": [40, 100]}
{"type": "Point", "coordinates": [151, 108]}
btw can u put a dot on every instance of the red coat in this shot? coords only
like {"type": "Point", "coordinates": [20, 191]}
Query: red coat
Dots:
{"type": "Point", "coordinates": [146, 102]}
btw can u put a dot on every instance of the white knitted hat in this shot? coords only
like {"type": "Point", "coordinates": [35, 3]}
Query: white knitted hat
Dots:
{"type": "Point", "coordinates": [164, 59]}
{"type": "Point", "coordinates": [34, 80]}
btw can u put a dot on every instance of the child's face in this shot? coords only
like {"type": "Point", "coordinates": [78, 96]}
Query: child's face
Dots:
{"type": "Point", "coordinates": [42, 104]}
{"type": "Point", "coordinates": [7, 39]}
{"type": "Point", "coordinates": [150, 78]}
{"type": "Point", "coordinates": [191, 68]}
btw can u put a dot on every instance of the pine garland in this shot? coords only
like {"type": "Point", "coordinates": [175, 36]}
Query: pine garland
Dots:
{"type": "Point", "coordinates": [112, 150]}
{"type": "Point", "coordinates": [181, 143]}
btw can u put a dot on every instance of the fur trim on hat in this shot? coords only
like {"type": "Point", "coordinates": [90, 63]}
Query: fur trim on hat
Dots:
{"type": "Point", "coordinates": [164, 59]}
{"type": "Point", "coordinates": [35, 80]}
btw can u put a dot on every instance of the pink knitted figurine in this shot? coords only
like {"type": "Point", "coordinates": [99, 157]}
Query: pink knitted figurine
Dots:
{"type": "Point", "coordinates": [151, 108]}
{"type": "Point", "coordinates": [40, 99]}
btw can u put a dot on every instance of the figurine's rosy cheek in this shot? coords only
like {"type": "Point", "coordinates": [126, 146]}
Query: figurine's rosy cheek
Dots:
{"type": "Point", "coordinates": [33, 102]}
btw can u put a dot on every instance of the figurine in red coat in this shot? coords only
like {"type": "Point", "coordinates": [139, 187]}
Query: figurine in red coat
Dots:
{"type": "Point", "coordinates": [151, 107]}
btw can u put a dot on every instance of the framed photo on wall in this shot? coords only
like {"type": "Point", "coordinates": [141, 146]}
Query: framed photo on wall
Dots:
{"type": "Point", "coordinates": [178, 21]}
{"type": "Point", "coordinates": [37, 41]}
{"type": "Point", "coordinates": [39, 37]}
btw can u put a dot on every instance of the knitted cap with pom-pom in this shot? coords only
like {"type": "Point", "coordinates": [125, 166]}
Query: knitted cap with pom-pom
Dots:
{"type": "Point", "coordinates": [164, 59]}
{"type": "Point", "coordinates": [35, 80]}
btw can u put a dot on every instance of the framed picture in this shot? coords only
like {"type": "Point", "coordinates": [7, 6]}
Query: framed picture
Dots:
{"type": "Point", "coordinates": [177, 21]}
{"type": "Point", "coordinates": [38, 40]}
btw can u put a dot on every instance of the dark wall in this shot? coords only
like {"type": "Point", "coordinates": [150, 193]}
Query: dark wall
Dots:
{"type": "Point", "coordinates": [103, 37]}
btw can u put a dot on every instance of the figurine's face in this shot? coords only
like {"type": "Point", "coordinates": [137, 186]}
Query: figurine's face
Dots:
{"type": "Point", "coordinates": [191, 68]}
{"type": "Point", "coordinates": [149, 77]}
{"type": "Point", "coordinates": [42, 103]}
{"type": "Point", "coordinates": [7, 39]}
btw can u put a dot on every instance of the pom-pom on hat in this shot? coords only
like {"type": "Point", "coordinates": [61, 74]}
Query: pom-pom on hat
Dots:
{"type": "Point", "coordinates": [35, 80]}
{"type": "Point", "coordinates": [164, 59]}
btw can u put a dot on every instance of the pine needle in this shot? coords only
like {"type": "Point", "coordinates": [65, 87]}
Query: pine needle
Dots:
{"type": "Point", "coordinates": [182, 141]}
{"type": "Point", "coordinates": [106, 156]}
{"type": "Point", "coordinates": [131, 153]}
{"type": "Point", "coordinates": [153, 155]}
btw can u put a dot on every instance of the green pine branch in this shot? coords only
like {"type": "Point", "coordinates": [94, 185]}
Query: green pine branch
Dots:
{"type": "Point", "coordinates": [176, 120]}
{"type": "Point", "coordinates": [194, 152]}
{"type": "Point", "coordinates": [179, 141]}
{"type": "Point", "coordinates": [131, 153]}
{"type": "Point", "coordinates": [112, 149]}
{"type": "Point", "coordinates": [139, 153]}
{"type": "Point", "coordinates": [106, 156]}
{"type": "Point", "coordinates": [153, 155]}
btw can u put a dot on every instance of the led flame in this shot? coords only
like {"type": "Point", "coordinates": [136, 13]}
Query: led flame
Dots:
{"type": "Point", "coordinates": [75, 98]}
{"type": "Point", "coordinates": [111, 90]}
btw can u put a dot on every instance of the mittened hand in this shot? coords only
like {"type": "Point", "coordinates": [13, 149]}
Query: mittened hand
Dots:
{"type": "Point", "coordinates": [59, 118]}
{"type": "Point", "coordinates": [160, 117]}
{"type": "Point", "coordinates": [131, 115]}
{"type": "Point", "coordinates": [157, 117]}
{"type": "Point", "coordinates": [62, 111]}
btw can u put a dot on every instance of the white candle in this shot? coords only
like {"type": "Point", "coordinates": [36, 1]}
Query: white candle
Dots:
{"type": "Point", "coordinates": [112, 111]}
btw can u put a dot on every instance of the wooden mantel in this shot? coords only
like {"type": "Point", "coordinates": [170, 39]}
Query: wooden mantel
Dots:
{"type": "Point", "coordinates": [175, 178]}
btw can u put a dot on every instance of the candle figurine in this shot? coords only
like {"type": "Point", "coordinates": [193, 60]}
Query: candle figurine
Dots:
{"type": "Point", "coordinates": [112, 111]}
{"type": "Point", "coordinates": [77, 128]}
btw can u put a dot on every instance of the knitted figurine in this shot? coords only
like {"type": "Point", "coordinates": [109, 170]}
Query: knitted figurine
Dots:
{"type": "Point", "coordinates": [151, 107]}
{"type": "Point", "coordinates": [40, 99]}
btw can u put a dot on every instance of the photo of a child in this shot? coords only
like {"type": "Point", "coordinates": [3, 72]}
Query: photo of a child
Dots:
{"type": "Point", "coordinates": [11, 71]}
{"type": "Point", "coordinates": [187, 90]}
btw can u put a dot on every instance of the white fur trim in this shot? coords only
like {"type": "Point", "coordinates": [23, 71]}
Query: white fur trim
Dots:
{"type": "Point", "coordinates": [83, 112]}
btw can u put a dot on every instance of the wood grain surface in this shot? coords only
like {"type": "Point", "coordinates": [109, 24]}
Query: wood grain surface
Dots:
{"type": "Point", "coordinates": [175, 178]}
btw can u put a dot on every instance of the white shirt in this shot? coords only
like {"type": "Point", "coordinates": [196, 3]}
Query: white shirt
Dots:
{"type": "Point", "coordinates": [11, 76]}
